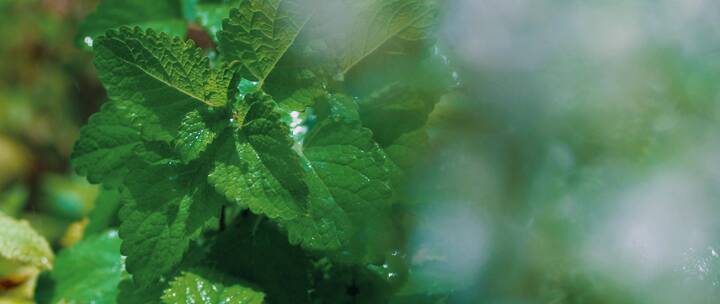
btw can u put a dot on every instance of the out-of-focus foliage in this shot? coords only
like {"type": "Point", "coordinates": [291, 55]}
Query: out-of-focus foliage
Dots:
{"type": "Point", "coordinates": [20, 243]}
{"type": "Point", "coordinates": [23, 254]}
{"type": "Point", "coordinates": [47, 89]}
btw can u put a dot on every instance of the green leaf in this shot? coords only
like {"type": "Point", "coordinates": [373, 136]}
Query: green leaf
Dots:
{"type": "Point", "coordinates": [160, 15]}
{"type": "Point", "coordinates": [197, 130]}
{"type": "Point", "coordinates": [347, 159]}
{"type": "Point", "coordinates": [165, 74]}
{"type": "Point", "coordinates": [179, 140]}
{"type": "Point", "coordinates": [192, 288]}
{"type": "Point", "coordinates": [89, 271]}
{"type": "Point", "coordinates": [110, 138]}
{"type": "Point", "coordinates": [355, 171]}
{"type": "Point", "coordinates": [21, 243]}
{"type": "Point", "coordinates": [155, 96]}
{"type": "Point", "coordinates": [341, 34]}
{"type": "Point", "coordinates": [256, 167]}
{"type": "Point", "coordinates": [342, 177]}
{"type": "Point", "coordinates": [259, 32]}
{"type": "Point", "coordinates": [165, 206]}
{"type": "Point", "coordinates": [397, 116]}
{"type": "Point", "coordinates": [382, 35]}
{"type": "Point", "coordinates": [371, 24]}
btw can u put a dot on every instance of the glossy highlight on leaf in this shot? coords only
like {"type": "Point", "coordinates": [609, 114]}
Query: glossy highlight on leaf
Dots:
{"type": "Point", "coordinates": [192, 288]}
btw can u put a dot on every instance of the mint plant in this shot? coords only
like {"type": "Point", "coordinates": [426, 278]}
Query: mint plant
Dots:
{"type": "Point", "coordinates": [272, 167]}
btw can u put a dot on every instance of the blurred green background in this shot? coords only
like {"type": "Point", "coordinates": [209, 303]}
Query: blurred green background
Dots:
{"type": "Point", "coordinates": [577, 160]}
{"type": "Point", "coordinates": [48, 89]}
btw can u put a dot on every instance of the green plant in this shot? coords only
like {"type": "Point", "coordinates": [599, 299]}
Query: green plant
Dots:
{"type": "Point", "coordinates": [271, 168]}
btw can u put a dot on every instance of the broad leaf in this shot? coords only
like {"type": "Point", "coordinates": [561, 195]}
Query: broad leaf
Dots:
{"type": "Point", "coordinates": [259, 32]}
{"type": "Point", "coordinates": [166, 205]}
{"type": "Point", "coordinates": [341, 176]}
{"type": "Point", "coordinates": [256, 164]}
{"type": "Point", "coordinates": [355, 171]}
{"type": "Point", "coordinates": [89, 271]}
{"type": "Point", "coordinates": [160, 86]}
{"type": "Point", "coordinates": [256, 167]}
{"type": "Point", "coordinates": [152, 68]}
{"type": "Point", "coordinates": [371, 24]}
{"type": "Point", "coordinates": [110, 140]}
{"type": "Point", "coordinates": [341, 34]}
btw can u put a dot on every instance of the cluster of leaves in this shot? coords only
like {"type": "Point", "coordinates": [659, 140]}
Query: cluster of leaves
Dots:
{"type": "Point", "coordinates": [268, 168]}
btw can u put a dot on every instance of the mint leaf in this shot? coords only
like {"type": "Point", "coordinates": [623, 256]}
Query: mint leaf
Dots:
{"type": "Point", "coordinates": [193, 288]}
{"type": "Point", "coordinates": [183, 135]}
{"type": "Point", "coordinates": [256, 167]}
{"type": "Point", "coordinates": [371, 24]}
{"type": "Point", "coordinates": [354, 170]}
{"type": "Point", "coordinates": [107, 142]}
{"type": "Point", "coordinates": [338, 129]}
{"type": "Point", "coordinates": [144, 70]}
{"type": "Point", "coordinates": [21, 243]}
{"type": "Point", "coordinates": [165, 206]}
{"type": "Point", "coordinates": [259, 32]}
{"type": "Point", "coordinates": [197, 130]}
{"type": "Point", "coordinates": [146, 67]}
{"type": "Point", "coordinates": [89, 271]}
{"type": "Point", "coordinates": [345, 176]}
{"type": "Point", "coordinates": [160, 15]}
{"type": "Point", "coordinates": [341, 34]}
